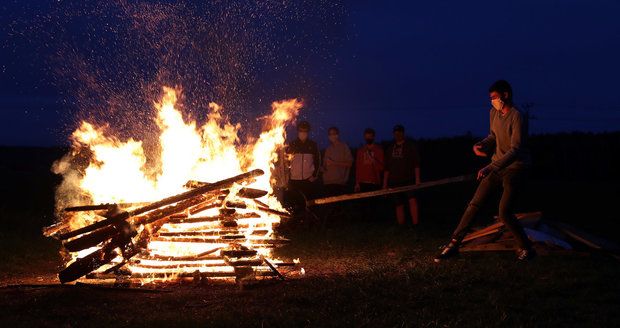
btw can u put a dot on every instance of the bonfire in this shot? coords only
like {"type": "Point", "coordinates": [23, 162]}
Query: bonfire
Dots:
{"type": "Point", "coordinates": [204, 208]}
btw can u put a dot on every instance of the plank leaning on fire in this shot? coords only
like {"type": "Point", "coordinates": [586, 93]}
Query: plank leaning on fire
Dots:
{"type": "Point", "coordinates": [166, 201]}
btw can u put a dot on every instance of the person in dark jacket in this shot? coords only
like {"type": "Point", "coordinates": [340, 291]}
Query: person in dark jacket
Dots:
{"type": "Point", "coordinates": [402, 168]}
{"type": "Point", "coordinates": [510, 161]}
{"type": "Point", "coordinates": [305, 162]}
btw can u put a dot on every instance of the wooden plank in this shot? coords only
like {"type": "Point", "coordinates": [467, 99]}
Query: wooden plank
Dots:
{"type": "Point", "coordinates": [201, 256]}
{"type": "Point", "coordinates": [163, 202]}
{"type": "Point", "coordinates": [388, 191]}
{"type": "Point", "coordinates": [86, 264]}
{"type": "Point", "coordinates": [172, 274]}
{"type": "Point", "coordinates": [203, 207]}
{"type": "Point", "coordinates": [251, 193]}
{"type": "Point", "coordinates": [586, 238]}
{"type": "Point", "coordinates": [123, 228]}
{"type": "Point", "coordinates": [221, 240]}
{"type": "Point", "coordinates": [238, 253]}
{"type": "Point", "coordinates": [273, 268]}
{"type": "Point", "coordinates": [265, 208]}
{"type": "Point", "coordinates": [529, 218]}
{"type": "Point", "coordinates": [106, 206]}
{"type": "Point", "coordinates": [489, 247]}
{"type": "Point", "coordinates": [221, 233]}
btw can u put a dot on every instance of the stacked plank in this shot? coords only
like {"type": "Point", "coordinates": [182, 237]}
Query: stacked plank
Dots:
{"type": "Point", "coordinates": [547, 237]}
{"type": "Point", "coordinates": [214, 230]}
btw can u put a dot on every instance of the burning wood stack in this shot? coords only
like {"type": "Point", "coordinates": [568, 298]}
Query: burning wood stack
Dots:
{"type": "Point", "coordinates": [150, 226]}
{"type": "Point", "coordinates": [213, 230]}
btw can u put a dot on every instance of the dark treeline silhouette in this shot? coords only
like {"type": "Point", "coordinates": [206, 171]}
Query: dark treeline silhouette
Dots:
{"type": "Point", "coordinates": [573, 178]}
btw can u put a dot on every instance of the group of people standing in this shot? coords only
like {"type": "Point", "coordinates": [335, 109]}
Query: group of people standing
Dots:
{"type": "Point", "coordinates": [314, 175]}
{"type": "Point", "coordinates": [399, 165]}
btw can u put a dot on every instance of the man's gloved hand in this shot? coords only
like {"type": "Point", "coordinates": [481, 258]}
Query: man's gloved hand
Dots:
{"type": "Point", "coordinates": [478, 150]}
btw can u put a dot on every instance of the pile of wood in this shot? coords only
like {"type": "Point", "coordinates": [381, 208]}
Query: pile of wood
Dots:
{"type": "Point", "coordinates": [173, 239]}
{"type": "Point", "coordinates": [548, 237]}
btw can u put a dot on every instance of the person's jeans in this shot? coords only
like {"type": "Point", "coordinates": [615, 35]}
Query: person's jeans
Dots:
{"type": "Point", "coordinates": [510, 180]}
{"type": "Point", "coordinates": [305, 187]}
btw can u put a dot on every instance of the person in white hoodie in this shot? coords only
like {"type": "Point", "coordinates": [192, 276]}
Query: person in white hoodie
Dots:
{"type": "Point", "coordinates": [305, 162]}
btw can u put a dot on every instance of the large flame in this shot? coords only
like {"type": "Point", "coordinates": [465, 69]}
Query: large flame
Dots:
{"type": "Point", "coordinates": [118, 171]}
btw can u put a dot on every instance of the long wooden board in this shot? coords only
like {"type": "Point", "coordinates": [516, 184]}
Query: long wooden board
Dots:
{"type": "Point", "coordinates": [532, 217]}
{"type": "Point", "coordinates": [388, 191]}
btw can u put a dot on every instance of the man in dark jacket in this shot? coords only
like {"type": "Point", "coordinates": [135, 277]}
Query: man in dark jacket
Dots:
{"type": "Point", "coordinates": [305, 160]}
{"type": "Point", "coordinates": [402, 168]}
{"type": "Point", "coordinates": [511, 158]}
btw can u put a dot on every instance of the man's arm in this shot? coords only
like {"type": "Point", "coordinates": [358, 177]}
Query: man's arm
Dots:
{"type": "Point", "coordinates": [486, 145]}
{"type": "Point", "coordinates": [346, 163]}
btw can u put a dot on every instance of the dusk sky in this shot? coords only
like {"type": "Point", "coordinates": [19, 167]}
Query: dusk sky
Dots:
{"type": "Point", "coordinates": [426, 65]}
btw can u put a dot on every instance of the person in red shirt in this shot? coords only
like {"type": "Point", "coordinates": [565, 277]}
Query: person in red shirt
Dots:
{"type": "Point", "coordinates": [369, 163]}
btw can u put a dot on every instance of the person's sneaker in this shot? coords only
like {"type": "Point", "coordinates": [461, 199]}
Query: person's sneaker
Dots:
{"type": "Point", "coordinates": [525, 254]}
{"type": "Point", "coordinates": [450, 250]}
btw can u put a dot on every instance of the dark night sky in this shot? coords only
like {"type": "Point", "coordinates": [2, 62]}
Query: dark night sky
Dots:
{"type": "Point", "coordinates": [425, 65]}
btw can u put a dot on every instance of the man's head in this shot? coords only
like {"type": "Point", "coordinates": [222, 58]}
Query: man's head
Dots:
{"type": "Point", "coordinates": [500, 93]}
{"type": "Point", "coordinates": [333, 134]}
{"type": "Point", "coordinates": [399, 133]}
{"type": "Point", "coordinates": [303, 128]}
{"type": "Point", "coordinates": [369, 136]}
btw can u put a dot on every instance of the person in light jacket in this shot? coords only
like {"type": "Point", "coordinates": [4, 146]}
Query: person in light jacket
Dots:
{"type": "Point", "coordinates": [305, 162]}
{"type": "Point", "coordinates": [336, 164]}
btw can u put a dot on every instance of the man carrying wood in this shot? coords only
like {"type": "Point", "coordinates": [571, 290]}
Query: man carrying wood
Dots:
{"type": "Point", "coordinates": [511, 159]}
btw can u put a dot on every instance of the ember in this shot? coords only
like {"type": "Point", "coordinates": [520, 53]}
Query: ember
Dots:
{"type": "Point", "coordinates": [180, 219]}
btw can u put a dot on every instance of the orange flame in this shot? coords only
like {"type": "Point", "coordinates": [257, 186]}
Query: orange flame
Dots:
{"type": "Point", "coordinates": [118, 172]}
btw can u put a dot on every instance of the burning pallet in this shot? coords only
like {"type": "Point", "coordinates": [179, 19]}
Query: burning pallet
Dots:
{"type": "Point", "coordinates": [213, 230]}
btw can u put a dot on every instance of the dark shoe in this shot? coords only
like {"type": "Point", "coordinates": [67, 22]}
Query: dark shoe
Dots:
{"type": "Point", "coordinates": [451, 250]}
{"type": "Point", "coordinates": [525, 254]}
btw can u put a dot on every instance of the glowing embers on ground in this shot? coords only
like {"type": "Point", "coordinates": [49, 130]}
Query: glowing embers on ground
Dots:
{"type": "Point", "coordinates": [192, 212]}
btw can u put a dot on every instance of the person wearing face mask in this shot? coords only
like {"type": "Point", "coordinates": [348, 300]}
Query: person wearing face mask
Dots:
{"type": "Point", "coordinates": [402, 168]}
{"type": "Point", "coordinates": [336, 164]}
{"type": "Point", "coordinates": [305, 160]}
{"type": "Point", "coordinates": [368, 164]}
{"type": "Point", "coordinates": [507, 141]}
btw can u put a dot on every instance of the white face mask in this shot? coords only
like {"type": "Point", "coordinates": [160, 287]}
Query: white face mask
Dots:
{"type": "Point", "coordinates": [302, 136]}
{"type": "Point", "coordinates": [497, 103]}
{"type": "Point", "coordinates": [333, 138]}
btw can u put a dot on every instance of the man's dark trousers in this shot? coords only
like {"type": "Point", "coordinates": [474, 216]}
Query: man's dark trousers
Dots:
{"type": "Point", "coordinates": [511, 181]}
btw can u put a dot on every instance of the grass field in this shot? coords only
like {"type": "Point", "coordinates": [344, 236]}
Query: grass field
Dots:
{"type": "Point", "coordinates": [367, 273]}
